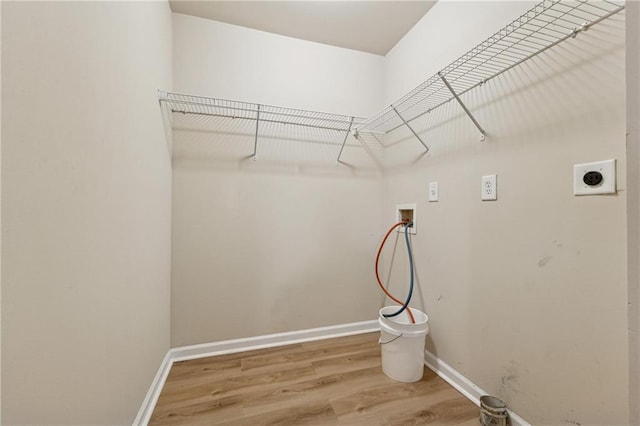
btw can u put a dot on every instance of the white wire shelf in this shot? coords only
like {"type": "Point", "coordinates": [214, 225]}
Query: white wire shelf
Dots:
{"type": "Point", "coordinates": [540, 28]}
{"type": "Point", "coordinates": [261, 115]}
{"type": "Point", "coordinates": [189, 104]}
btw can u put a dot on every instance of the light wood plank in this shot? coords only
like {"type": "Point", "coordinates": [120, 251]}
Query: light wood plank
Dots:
{"type": "Point", "coordinates": [308, 391]}
{"type": "Point", "coordinates": [317, 413]}
{"type": "Point", "coordinates": [421, 406]}
{"type": "Point", "coordinates": [311, 351]}
{"type": "Point", "coordinates": [197, 411]}
{"type": "Point", "coordinates": [237, 383]}
{"type": "Point", "coordinates": [364, 358]}
{"type": "Point", "coordinates": [378, 398]}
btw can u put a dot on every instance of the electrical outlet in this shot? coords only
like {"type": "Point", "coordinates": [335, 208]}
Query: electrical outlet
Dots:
{"type": "Point", "coordinates": [433, 191]}
{"type": "Point", "coordinates": [489, 188]}
{"type": "Point", "coordinates": [594, 178]}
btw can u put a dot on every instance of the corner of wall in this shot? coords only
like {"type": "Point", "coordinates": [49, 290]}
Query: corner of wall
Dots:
{"type": "Point", "coordinates": [633, 204]}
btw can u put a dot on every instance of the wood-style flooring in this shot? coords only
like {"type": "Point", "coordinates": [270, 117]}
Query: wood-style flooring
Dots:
{"type": "Point", "coordinates": [328, 382]}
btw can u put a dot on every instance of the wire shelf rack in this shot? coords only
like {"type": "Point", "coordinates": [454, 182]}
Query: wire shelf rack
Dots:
{"type": "Point", "coordinates": [262, 115]}
{"type": "Point", "coordinates": [545, 25]}
{"type": "Point", "coordinates": [542, 27]}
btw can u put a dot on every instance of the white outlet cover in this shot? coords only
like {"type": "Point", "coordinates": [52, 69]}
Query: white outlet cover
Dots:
{"type": "Point", "coordinates": [433, 191]}
{"type": "Point", "coordinates": [489, 189]}
{"type": "Point", "coordinates": [608, 185]}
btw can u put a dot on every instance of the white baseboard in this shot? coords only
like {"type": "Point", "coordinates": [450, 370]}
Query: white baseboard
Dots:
{"type": "Point", "coordinates": [280, 339]}
{"type": "Point", "coordinates": [150, 400]}
{"type": "Point", "coordinates": [462, 384]}
{"type": "Point", "coordinates": [204, 350]}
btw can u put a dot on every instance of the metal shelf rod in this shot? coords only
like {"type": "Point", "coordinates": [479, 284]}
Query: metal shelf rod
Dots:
{"type": "Point", "coordinates": [344, 141]}
{"type": "Point", "coordinates": [464, 107]}
{"type": "Point", "coordinates": [411, 128]}
{"type": "Point", "coordinates": [255, 140]}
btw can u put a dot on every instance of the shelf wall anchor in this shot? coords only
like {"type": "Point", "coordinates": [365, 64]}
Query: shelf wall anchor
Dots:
{"type": "Point", "coordinates": [411, 128]}
{"type": "Point", "coordinates": [255, 140]}
{"type": "Point", "coordinates": [464, 107]}
{"type": "Point", "coordinates": [345, 140]}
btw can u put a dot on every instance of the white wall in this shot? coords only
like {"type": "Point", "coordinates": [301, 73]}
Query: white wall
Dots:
{"type": "Point", "coordinates": [230, 62]}
{"type": "Point", "coordinates": [633, 203]}
{"type": "Point", "coordinates": [284, 242]}
{"type": "Point", "coordinates": [86, 187]}
{"type": "Point", "coordinates": [526, 295]}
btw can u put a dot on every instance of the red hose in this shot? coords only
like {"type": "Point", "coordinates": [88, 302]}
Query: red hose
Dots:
{"type": "Point", "coordinates": [413, 320]}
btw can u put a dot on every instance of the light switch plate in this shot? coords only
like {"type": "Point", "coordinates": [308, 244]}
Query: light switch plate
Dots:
{"type": "Point", "coordinates": [489, 188]}
{"type": "Point", "coordinates": [433, 191]}
{"type": "Point", "coordinates": [605, 171]}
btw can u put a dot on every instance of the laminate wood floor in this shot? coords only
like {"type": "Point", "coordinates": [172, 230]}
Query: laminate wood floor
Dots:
{"type": "Point", "coordinates": [328, 382]}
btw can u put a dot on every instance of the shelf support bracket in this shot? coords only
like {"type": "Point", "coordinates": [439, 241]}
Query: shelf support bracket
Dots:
{"type": "Point", "coordinates": [426, 148]}
{"type": "Point", "coordinates": [255, 139]}
{"type": "Point", "coordinates": [344, 141]}
{"type": "Point", "coordinates": [464, 107]}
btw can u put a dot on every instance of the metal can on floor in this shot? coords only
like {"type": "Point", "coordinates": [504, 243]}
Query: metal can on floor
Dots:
{"type": "Point", "coordinates": [493, 411]}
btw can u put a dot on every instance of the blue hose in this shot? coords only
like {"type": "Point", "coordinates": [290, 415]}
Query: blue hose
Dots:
{"type": "Point", "coordinates": [406, 303]}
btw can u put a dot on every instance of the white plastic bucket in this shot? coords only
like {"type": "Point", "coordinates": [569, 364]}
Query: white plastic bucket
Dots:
{"type": "Point", "coordinates": [402, 344]}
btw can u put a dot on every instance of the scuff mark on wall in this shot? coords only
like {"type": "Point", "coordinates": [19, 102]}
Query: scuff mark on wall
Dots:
{"type": "Point", "coordinates": [543, 262]}
{"type": "Point", "coordinates": [510, 381]}
{"type": "Point", "coordinates": [509, 384]}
